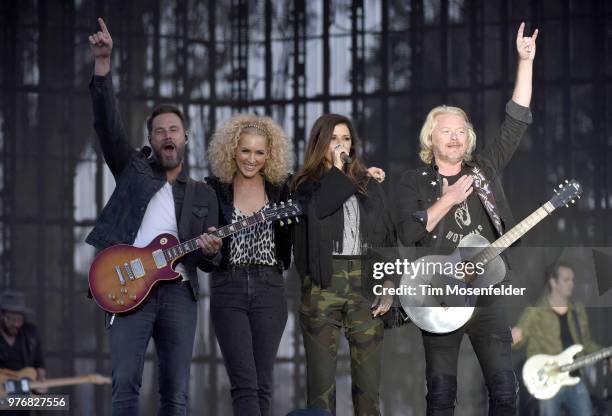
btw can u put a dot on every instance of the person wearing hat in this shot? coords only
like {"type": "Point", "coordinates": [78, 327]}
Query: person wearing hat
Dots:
{"type": "Point", "coordinates": [20, 344]}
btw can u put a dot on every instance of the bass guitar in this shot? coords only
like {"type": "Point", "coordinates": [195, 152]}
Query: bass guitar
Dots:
{"type": "Point", "coordinates": [122, 276]}
{"type": "Point", "coordinates": [432, 311]}
{"type": "Point", "coordinates": [544, 375]}
{"type": "Point", "coordinates": [21, 382]}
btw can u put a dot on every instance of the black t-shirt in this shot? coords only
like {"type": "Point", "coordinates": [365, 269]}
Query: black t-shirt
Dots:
{"type": "Point", "coordinates": [566, 337]}
{"type": "Point", "coordinates": [25, 352]}
{"type": "Point", "coordinates": [469, 217]}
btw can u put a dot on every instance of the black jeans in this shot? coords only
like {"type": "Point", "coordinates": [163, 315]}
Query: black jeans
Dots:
{"type": "Point", "coordinates": [491, 339]}
{"type": "Point", "coordinates": [249, 313]}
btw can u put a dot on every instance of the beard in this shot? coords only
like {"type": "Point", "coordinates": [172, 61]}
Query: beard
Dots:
{"type": "Point", "coordinates": [170, 159]}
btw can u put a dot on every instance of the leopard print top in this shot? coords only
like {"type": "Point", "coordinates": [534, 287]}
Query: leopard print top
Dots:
{"type": "Point", "coordinates": [253, 245]}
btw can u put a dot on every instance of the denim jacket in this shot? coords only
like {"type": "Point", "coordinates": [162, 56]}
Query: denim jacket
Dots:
{"type": "Point", "coordinates": [138, 177]}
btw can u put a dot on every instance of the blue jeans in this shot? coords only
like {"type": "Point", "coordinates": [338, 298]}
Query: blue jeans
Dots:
{"type": "Point", "coordinates": [575, 399]}
{"type": "Point", "coordinates": [169, 316]}
{"type": "Point", "coordinates": [249, 313]}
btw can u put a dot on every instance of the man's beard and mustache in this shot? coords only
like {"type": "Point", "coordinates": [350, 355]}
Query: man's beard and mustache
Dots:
{"type": "Point", "coordinates": [11, 330]}
{"type": "Point", "coordinates": [170, 155]}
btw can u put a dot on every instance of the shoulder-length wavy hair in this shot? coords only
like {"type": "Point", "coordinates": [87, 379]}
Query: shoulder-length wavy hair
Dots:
{"type": "Point", "coordinates": [222, 148]}
{"type": "Point", "coordinates": [426, 153]}
{"type": "Point", "coordinates": [318, 143]}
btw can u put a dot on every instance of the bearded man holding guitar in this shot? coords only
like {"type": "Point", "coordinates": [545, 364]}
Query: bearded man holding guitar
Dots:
{"type": "Point", "coordinates": [439, 208]}
{"type": "Point", "coordinates": [153, 195]}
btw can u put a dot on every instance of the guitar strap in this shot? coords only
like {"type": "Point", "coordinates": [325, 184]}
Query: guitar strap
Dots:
{"type": "Point", "coordinates": [183, 228]}
{"type": "Point", "coordinates": [483, 190]}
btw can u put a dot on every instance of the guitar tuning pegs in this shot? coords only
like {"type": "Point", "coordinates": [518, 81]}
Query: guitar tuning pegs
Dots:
{"type": "Point", "coordinates": [578, 196]}
{"type": "Point", "coordinates": [566, 181]}
{"type": "Point", "coordinates": [275, 205]}
{"type": "Point", "coordinates": [560, 185]}
{"type": "Point", "coordinates": [281, 223]}
{"type": "Point", "coordinates": [297, 219]}
{"type": "Point", "coordinates": [282, 203]}
{"type": "Point", "coordinates": [289, 221]}
{"type": "Point", "coordinates": [573, 201]}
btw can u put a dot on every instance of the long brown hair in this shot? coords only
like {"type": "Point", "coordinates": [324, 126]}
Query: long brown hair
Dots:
{"type": "Point", "coordinates": [318, 144]}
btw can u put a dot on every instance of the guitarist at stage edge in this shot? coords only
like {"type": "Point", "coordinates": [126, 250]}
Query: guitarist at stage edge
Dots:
{"type": "Point", "coordinates": [554, 324]}
{"type": "Point", "coordinates": [151, 186]}
{"type": "Point", "coordinates": [438, 208]}
{"type": "Point", "coordinates": [20, 344]}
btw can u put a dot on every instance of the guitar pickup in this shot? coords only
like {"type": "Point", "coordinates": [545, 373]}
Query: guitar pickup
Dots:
{"type": "Point", "coordinates": [119, 275]}
{"type": "Point", "coordinates": [159, 258]}
{"type": "Point", "coordinates": [137, 268]}
{"type": "Point", "coordinates": [129, 271]}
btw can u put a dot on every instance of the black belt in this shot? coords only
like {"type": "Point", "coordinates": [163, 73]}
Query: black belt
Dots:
{"type": "Point", "coordinates": [250, 267]}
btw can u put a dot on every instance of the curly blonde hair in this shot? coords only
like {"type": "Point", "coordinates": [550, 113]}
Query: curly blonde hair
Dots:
{"type": "Point", "coordinates": [426, 153]}
{"type": "Point", "coordinates": [222, 148]}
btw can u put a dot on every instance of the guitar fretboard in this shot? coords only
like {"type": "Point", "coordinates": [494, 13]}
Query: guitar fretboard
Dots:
{"type": "Point", "coordinates": [187, 247]}
{"type": "Point", "coordinates": [587, 359]}
{"type": "Point", "coordinates": [506, 240]}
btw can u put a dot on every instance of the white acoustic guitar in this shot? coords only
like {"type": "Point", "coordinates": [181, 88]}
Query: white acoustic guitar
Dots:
{"type": "Point", "coordinates": [544, 375]}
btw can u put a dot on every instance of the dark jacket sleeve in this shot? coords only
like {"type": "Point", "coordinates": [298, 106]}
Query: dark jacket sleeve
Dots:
{"type": "Point", "coordinates": [336, 188]}
{"type": "Point", "coordinates": [207, 264]}
{"type": "Point", "coordinates": [497, 153]}
{"type": "Point", "coordinates": [108, 125]}
{"type": "Point", "coordinates": [410, 218]}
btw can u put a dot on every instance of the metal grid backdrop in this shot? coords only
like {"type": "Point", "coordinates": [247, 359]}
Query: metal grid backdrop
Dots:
{"type": "Point", "coordinates": [383, 62]}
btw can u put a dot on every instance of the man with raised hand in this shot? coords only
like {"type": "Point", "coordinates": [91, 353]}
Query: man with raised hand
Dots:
{"type": "Point", "coordinates": [438, 208]}
{"type": "Point", "coordinates": [151, 188]}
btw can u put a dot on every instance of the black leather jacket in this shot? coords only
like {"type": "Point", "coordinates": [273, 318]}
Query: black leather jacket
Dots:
{"type": "Point", "coordinates": [420, 188]}
{"type": "Point", "coordinates": [282, 234]}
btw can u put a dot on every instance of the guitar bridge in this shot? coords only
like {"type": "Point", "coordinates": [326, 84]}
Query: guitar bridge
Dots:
{"type": "Point", "coordinates": [159, 258]}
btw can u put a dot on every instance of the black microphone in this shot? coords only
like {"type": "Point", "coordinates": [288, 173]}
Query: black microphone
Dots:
{"type": "Point", "coordinates": [346, 158]}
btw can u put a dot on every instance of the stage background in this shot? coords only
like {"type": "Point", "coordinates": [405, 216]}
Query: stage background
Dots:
{"type": "Point", "coordinates": [383, 62]}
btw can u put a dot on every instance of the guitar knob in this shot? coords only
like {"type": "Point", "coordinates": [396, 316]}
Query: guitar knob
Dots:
{"type": "Point", "coordinates": [111, 296]}
{"type": "Point", "coordinates": [133, 297]}
{"type": "Point", "coordinates": [120, 302]}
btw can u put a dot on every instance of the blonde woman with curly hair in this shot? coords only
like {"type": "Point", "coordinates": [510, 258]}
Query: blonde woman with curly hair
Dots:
{"type": "Point", "coordinates": [249, 158]}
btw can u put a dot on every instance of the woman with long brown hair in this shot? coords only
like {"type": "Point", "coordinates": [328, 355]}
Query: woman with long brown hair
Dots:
{"type": "Point", "coordinates": [346, 218]}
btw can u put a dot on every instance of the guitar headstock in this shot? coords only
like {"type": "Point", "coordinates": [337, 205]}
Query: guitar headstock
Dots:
{"type": "Point", "coordinates": [283, 211]}
{"type": "Point", "coordinates": [566, 193]}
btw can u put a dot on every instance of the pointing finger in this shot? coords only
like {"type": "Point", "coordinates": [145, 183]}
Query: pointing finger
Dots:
{"type": "Point", "coordinates": [102, 25]}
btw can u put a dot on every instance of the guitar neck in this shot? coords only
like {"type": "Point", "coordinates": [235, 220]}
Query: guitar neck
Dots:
{"type": "Point", "coordinates": [506, 240]}
{"type": "Point", "coordinates": [189, 246]}
{"type": "Point", "coordinates": [67, 381]}
{"type": "Point", "coordinates": [587, 359]}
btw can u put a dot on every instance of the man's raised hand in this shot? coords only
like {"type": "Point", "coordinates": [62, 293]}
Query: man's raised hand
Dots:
{"type": "Point", "coordinates": [101, 42]}
{"type": "Point", "coordinates": [526, 45]}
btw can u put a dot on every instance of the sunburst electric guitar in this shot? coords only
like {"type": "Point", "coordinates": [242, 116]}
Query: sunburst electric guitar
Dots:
{"type": "Point", "coordinates": [122, 276]}
{"type": "Point", "coordinates": [431, 312]}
